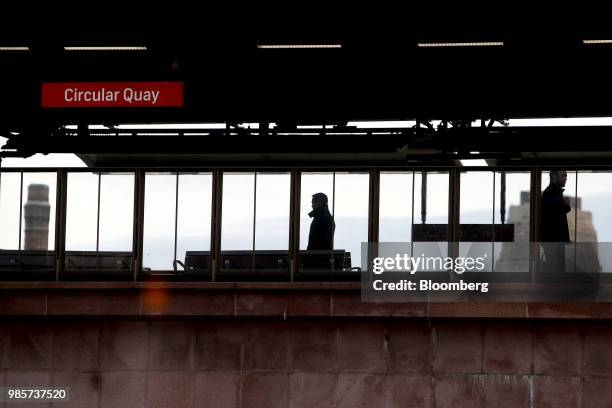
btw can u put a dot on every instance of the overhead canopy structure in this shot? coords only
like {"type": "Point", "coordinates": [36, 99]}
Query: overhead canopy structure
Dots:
{"type": "Point", "coordinates": [311, 65]}
{"type": "Point", "coordinates": [543, 68]}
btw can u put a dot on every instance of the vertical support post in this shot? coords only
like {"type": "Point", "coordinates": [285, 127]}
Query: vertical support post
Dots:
{"type": "Point", "coordinates": [502, 198]}
{"type": "Point", "coordinates": [535, 205]}
{"type": "Point", "coordinates": [294, 224]}
{"type": "Point", "coordinates": [373, 218]}
{"type": "Point", "coordinates": [412, 214]}
{"type": "Point", "coordinates": [423, 197]}
{"type": "Point", "coordinates": [176, 206]}
{"type": "Point", "coordinates": [138, 233]}
{"type": "Point", "coordinates": [454, 198]}
{"type": "Point", "coordinates": [493, 227]}
{"type": "Point", "coordinates": [575, 224]}
{"type": "Point", "coordinates": [60, 219]}
{"type": "Point", "coordinates": [535, 209]}
{"type": "Point", "coordinates": [332, 263]}
{"type": "Point", "coordinates": [20, 209]}
{"type": "Point", "coordinates": [98, 223]}
{"type": "Point", "coordinates": [254, 219]}
{"type": "Point", "coordinates": [374, 207]}
{"type": "Point", "coordinates": [215, 237]}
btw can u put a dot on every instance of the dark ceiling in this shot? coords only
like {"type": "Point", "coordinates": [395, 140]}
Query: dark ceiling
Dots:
{"type": "Point", "coordinates": [380, 73]}
{"type": "Point", "coordinates": [542, 70]}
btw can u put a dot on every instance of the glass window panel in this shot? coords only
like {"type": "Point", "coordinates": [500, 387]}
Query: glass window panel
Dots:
{"type": "Point", "coordinates": [43, 190]}
{"type": "Point", "coordinates": [351, 204]}
{"type": "Point", "coordinates": [518, 186]}
{"type": "Point", "coordinates": [476, 205]}
{"type": "Point", "coordinates": [567, 254]}
{"type": "Point", "coordinates": [194, 216]}
{"type": "Point", "coordinates": [594, 209]}
{"type": "Point", "coordinates": [116, 212]}
{"type": "Point", "coordinates": [272, 211]}
{"type": "Point", "coordinates": [159, 219]}
{"type": "Point", "coordinates": [513, 256]}
{"type": "Point", "coordinates": [238, 211]}
{"type": "Point", "coordinates": [81, 211]}
{"type": "Point", "coordinates": [10, 186]}
{"type": "Point", "coordinates": [395, 207]}
{"type": "Point", "coordinates": [570, 193]}
{"type": "Point", "coordinates": [593, 214]}
{"type": "Point", "coordinates": [435, 211]}
{"type": "Point", "coordinates": [312, 183]}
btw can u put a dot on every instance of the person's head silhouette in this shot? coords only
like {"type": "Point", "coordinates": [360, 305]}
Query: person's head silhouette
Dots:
{"type": "Point", "coordinates": [558, 177]}
{"type": "Point", "coordinates": [319, 200]}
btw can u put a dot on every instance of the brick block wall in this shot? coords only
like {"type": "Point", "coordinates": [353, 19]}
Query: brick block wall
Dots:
{"type": "Point", "coordinates": [311, 363]}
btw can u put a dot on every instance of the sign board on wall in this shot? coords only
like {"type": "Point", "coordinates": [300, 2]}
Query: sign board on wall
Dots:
{"type": "Point", "coordinates": [467, 232]}
{"type": "Point", "coordinates": [112, 94]}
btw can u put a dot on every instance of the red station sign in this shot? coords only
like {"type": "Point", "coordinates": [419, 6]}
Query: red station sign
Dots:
{"type": "Point", "coordinates": [112, 94]}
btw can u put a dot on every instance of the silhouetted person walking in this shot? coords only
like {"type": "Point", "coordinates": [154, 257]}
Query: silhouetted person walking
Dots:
{"type": "Point", "coordinates": [554, 231]}
{"type": "Point", "coordinates": [322, 228]}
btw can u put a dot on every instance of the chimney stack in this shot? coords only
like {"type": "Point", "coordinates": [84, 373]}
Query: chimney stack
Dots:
{"type": "Point", "coordinates": [36, 213]}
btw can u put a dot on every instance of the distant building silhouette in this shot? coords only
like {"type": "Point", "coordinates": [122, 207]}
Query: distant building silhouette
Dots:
{"type": "Point", "coordinates": [514, 256]}
{"type": "Point", "coordinates": [36, 215]}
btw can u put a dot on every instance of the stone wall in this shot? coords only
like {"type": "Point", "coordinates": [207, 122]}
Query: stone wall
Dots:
{"type": "Point", "coordinates": [312, 363]}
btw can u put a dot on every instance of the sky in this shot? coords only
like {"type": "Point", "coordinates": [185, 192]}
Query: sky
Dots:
{"type": "Point", "coordinates": [267, 200]}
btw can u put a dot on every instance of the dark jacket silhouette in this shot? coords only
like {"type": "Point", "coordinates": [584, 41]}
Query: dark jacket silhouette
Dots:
{"type": "Point", "coordinates": [554, 215]}
{"type": "Point", "coordinates": [321, 229]}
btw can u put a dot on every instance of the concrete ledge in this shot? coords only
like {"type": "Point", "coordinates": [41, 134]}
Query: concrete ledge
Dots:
{"type": "Point", "coordinates": [268, 300]}
{"type": "Point", "coordinates": [265, 300]}
{"type": "Point", "coordinates": [183, 285]}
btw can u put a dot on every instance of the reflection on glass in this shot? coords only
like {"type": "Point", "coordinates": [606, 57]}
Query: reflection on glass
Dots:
{"type": "Point", "coordinates": [159, 221]}
{"type": "Point", "coordinates": [9, 210]}
{"type": "Point", "coordinates": [81, 211]}
{"type": "Point", "coordinates": [194, 220]}
{"type": "Point", "coordinates": [238, 211]}
{"type": "Point", "coordinates": [395, 207]}
{"type": "Point", "coordinates": [351, 204]}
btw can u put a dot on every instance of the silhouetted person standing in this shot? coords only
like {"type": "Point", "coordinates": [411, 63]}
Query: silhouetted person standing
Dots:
{"type": "Point", "coordinates": [322, 228]}
{"type": "Point", "coordinates": [554, 231]}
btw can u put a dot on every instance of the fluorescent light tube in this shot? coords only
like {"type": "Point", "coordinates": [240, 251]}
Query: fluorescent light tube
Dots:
{"type": "Point", "coordinates": [14, 48]}
{"type": "Point", "coordinates": [290, 46]}
{"type": "Point", "coordinates": [597, 41]}
{"type": "Point", "coordinates": [463, 44]}
{"type": "Point", "coordinates": [105, 48]}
